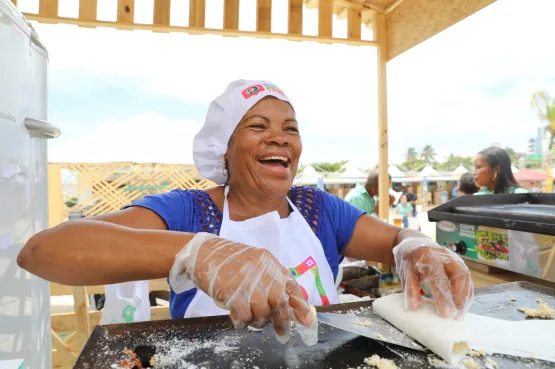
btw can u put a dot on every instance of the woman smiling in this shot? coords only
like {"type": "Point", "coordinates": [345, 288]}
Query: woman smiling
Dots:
{"type": "Point", "coordinates": [254, 246]}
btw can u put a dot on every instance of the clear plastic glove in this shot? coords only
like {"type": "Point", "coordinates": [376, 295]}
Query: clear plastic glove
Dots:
{"type": "Point", "coordinates": [420, 260]}
{"type": "Point", "coordinates": [247, 281]}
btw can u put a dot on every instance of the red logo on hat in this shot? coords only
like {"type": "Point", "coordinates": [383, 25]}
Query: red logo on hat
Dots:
{"type": "Point", "coordinates": [252, 91]}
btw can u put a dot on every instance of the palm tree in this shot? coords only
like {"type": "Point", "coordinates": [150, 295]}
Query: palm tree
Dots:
{"type": "Point", "coordinates": [545, 106]}
{"type": "Point", "coordinates": [412, 157]}
{"type": "Point", "coordinates": [428, 154]}
{"type": "Point", "coordinates": [452, 162]}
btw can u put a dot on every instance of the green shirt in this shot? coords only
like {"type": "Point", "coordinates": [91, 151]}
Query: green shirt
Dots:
{"type": "Point", "coordinates": [404, 210]}
{"type": "Point", "coordinates": [511, 189]}
{"type": "Point", "coordinates": [361, 199]}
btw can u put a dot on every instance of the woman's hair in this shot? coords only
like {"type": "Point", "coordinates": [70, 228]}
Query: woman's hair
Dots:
{"type": "Point", "coordinates": [467, 185]}
{"type": "Point", "coordinates": [496, 156]}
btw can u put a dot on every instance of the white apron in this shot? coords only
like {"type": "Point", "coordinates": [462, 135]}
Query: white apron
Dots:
{"type": "Point", "coordinates": [291, 241]}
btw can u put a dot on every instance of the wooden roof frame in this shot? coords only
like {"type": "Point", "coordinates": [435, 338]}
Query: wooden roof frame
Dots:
{"type": "Point", "coordinates": [398, 25]}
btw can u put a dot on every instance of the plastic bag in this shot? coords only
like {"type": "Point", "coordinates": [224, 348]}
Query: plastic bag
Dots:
{"type": "Point", "coordinates": [126, 302]}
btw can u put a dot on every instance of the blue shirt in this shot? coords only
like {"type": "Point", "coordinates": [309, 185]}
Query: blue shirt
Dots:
{"type": "Point", "coordinates": [332, 219]}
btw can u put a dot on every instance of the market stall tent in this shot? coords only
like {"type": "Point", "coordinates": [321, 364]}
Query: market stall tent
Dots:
{"type": "Point", "coordinates": [394, 171]}
{"type": "Point", "coordinates": [460, 170]}
{"type": "Point", "coordinates": [428, 171]}
{"type": "Point", "coordinates": [530, 176]}
{"type": "Point", "coordinates": [397, 25]}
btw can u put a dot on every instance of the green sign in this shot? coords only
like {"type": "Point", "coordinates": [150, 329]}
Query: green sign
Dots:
{"type": "Point", "coordinates": [486, 244]}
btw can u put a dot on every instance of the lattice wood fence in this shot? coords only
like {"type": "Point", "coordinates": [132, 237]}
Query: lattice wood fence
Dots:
{"type": "Point", "coordinates": [86, 189]}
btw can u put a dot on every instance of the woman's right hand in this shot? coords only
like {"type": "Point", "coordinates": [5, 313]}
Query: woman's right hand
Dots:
{"type": "Point", "coordinates": [248, 281]}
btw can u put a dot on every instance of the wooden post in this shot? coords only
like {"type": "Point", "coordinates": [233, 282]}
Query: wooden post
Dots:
{"type": "Point", "coordinates": [325, 18]}
{"type": "Point", "coordinates": [81, 307]}
{"type": "Point", "coordinates": [126, 11]}
{"type": "Point", "coordinates": [197, 10]}
{"type": "Point", "coordinates": [88, 10]}
{"type": "Point", "coordinates": [48, 8]}
{"type": "Point", "coordinates": [231, 14]}
{"type": "Point", "coordinates": [380, 37]}
{"type": "Point", "coordinates": [162, 11]}
{"type": "Point", "coordinates": [295, 17]}
{"type": "Point", "coordinates": [354, 20]}
{"type": "Point", "coordinates": [264, 16]}
{"type": "Point", "coordinates": [55, 195]}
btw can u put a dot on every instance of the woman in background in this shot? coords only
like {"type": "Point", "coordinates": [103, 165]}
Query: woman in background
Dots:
{"type": "Point", "coordinates": [493, 173]}
{"type": "Point", "coordinates": [405, 210]}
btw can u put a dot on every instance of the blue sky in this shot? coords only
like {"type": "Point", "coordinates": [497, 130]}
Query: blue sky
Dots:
{"type": "Point", "coordinates": [140, 96]}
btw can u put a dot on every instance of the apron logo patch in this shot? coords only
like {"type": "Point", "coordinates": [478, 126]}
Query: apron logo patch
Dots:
{"type": "Point", "coordinates": [310, 265]}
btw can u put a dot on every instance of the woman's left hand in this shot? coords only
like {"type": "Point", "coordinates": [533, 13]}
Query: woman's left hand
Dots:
{"type": "Point", "coordinates": [421, 259]}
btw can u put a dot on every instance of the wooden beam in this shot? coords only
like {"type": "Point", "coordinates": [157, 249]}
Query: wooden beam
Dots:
{"type": "Point", "coordinates": [64, 350]}
{"type": "Point", "coordinates": [55, 194]}
{"type": "Point", "coordinates": [311, 4]}
{"type": "Point", "coordinates": [414, 21]}
{"type": "Point", "coordinates": [198, 31]}
{"type": "Point", "coordinates": [392, 6]}
{"type": "Point", "coordinates": [162, 12]}
{"type": "Point", "coordinates": [14, 2]}
{"type": "Point", "coordinates": [59, 362]}
{"type": "Point", "coordinates": [62, 290]}
{"type": "Point", "coordinates": [354, 18]}
{"type": "Point", "coordinates": [264, 15]}
{"type": "Point", "coordinates": [81, 307]}
{"type": "Point", "coordinates": [126, 11]}
{"type": "Point", "coordinates": [67, 323]}
{"type": "Point", "coordinates": [384, 183]}
{"type": "Point", "coordinates": [367, 15]}
{"type": "Point", "coordinates": [342, 14]}
{"type": "Point", "coordinates": [88, 10]}
{"type": "Point", "coordinates": [231, 14]}
{"type": "Point", "coordinates": [48, 8]}
{"type": "Point", "coordinates": [325, 18]}
{"type": "Point", "coordinates": [295, 17]}
{"type": "Point", "coordinates": [197, 11]}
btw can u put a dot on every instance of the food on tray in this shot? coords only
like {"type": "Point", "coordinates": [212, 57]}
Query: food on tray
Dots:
{"type": "Point", "coordinates": [477, 353]}
{"type": "Point", "coordinates": [471, 364]}
{"type": "Point", "coordinates": [491, 364]}
{"type": "Point", "coordinates": [542, 312]}
{"type": "Point", "coordinates": [364, 323]}
{"type": "Point", "coordinates": [378, 362]}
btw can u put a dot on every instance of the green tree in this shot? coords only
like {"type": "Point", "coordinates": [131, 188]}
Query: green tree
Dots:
{"type": "Point", "coordinates": [545, 107]}
{"type": "Point", "coordinates": [428, 154]}
{"type": "Point", "coordinates": [329, 167]}
{"type": "Point", "coordinates": [411, 158]}
{"type": "Point", "coordinates": [452, 162]}
{"type": "Point", "coordinates": [512, 154]}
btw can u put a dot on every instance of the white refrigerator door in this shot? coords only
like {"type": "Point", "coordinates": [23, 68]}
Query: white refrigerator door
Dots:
{"type": "Point", "coordinates": [24, 299]}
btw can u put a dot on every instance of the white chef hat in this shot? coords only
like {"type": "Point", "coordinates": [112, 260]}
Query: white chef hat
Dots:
{"type": "Point", "coordinates": [223, 116]}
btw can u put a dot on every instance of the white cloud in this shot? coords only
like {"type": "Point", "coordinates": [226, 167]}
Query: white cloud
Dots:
{"type": "Point", "coordinates": [446, 92]}
{"type": "Point", "coordinates": [146, 138]}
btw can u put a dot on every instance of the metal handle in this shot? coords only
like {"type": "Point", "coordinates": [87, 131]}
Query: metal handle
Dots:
{"type": "Point", "coordinates": [41, 129]}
